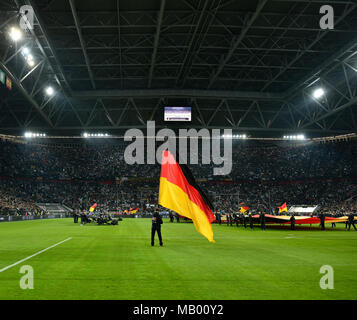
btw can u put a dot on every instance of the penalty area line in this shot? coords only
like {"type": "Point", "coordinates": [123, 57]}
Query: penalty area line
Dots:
{"type": "Point", "coordinates": [33, 255]}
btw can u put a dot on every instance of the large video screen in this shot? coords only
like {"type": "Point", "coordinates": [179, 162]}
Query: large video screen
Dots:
{"type": "Point", "coordinates": [177, 114]}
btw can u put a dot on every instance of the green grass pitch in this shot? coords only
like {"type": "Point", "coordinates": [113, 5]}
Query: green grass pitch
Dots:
{"type": "Point", "coordinates": [117, 262]}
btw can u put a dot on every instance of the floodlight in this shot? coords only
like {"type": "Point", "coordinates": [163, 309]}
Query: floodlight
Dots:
{"type": "Point", "coordinates": [49, 91]}
{"type": "Point", "coordinates": [25, 51]}
{"type": "Point", "coordinates": [15, 34]}
{"type": "Point", "coordinates": [318, 93]}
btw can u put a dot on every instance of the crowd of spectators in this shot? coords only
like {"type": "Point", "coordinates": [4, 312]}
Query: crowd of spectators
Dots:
{"type": "Point", "coordinates": [106, 161]}
{"type": "Point", "coordinates": [331, 196]}
{"type": "Point", "coordinates": [13, 201]}
{"type": "Point", "coordinates": [81, 174]}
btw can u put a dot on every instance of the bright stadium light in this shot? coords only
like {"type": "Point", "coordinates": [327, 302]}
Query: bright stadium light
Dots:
{"type": "Point", "coordinates": [95, 135]}
{"type": "Point", "coordinates": [31, 63]}
{"type": "Point", "coordinates": [30, 134]}
{"type": "Point", "coordinates": [235, 136]}
{"type": "Point", "coordinates": [295, 137]}
{"type": "Point", "coordinates": [49, 91]}
{"type": "Point", "coordinates": [28, 56]}
{"type": "Point", "coordinates": [318, 93]}
{"type": "Point", "coordinates": [15, 34]}
{"type": "Point", "coordinates": [25, 51]}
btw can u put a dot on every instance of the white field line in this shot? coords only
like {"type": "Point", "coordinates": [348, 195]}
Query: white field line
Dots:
{"type": "Point", "coordinates": [29, 257]}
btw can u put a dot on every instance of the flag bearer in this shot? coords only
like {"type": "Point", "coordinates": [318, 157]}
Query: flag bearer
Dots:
{"type": "Point", "coordinates": [156, 227]}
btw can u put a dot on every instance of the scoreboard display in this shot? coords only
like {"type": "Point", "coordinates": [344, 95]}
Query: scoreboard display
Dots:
{"type": "Point", "coordinates": [177, 114]}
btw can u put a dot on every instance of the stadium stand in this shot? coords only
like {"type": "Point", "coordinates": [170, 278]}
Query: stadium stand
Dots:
{"type": "Point", "coordinates": [80, 174]}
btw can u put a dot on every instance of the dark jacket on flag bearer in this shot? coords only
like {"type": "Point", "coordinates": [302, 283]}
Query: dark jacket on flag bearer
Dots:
{"type": "Point", "coordinates": [156, 227]}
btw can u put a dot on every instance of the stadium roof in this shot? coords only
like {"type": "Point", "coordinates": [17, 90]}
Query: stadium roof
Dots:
{"type": "Point", "coordinates": [247, 65]}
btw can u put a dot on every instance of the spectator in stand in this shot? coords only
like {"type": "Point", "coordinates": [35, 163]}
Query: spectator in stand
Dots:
{"type": "Point", "coordinates": [81, 174]}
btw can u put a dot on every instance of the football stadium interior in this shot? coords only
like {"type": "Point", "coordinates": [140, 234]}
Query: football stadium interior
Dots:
{"type": "Point", "coordinates": [274, 82]}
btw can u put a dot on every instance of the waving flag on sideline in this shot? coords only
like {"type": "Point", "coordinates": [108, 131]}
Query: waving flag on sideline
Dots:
{"type": "Point", "coordinates": [180, 193]}
{"type": "Point", "coordinates": [91, 209]}
{"type": "Point", "coordinates": [131, 210]}
{"type": "Point", "coordinates": [244, 209]}
{"type": "Point", "coordinates": [283, 208]}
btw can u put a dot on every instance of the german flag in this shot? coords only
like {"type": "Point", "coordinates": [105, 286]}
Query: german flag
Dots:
{"type": "Point", "coordinates": [179, 192]}
{"type": "Point", "coordinates": [91, 209]}
{"type": "Point", "coordinates": [244, 209]}
{"type": "Point", "coordinates": [283, 208]}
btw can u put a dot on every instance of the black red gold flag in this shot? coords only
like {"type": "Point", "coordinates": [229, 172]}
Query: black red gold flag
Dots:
{"type": "Point", "coordinates": [179, 192]}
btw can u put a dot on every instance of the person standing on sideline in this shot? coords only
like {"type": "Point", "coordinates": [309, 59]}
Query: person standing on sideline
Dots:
{"type": "Point", "coordinates": [262, 220]}
{"type": "Point", "coordinates": [75, 216]}
{"type": "Point", "coordinates": [244, 220]}
{"type": "Point", "coordinates": [333, 224]}
{"type": "Point", "coordinates": [227, 219]}
{"type": "Point", "coordinates": [292, 222]}
{"type": "Point", "coordinates": [250, 221]}
{"type": "Point", "coordinates": [177, 218]}
{"type": "Point", "coordinates": [83, 218]}
{"type": "Point", "coordinates": [171, 216]}
{"type": "Point", "coordinates": [351, 221]}
{"type": "Point", "coordinates": [236, 218]}
{"type": "Point", "coordinates": [156, 227]}
{"type": "Point", "coordinates": [322, 221]}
